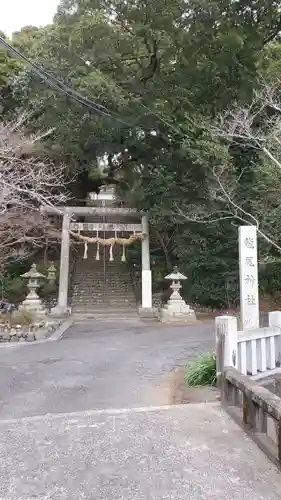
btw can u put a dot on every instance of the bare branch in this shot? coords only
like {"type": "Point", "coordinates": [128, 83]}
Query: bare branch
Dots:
{"type": "Point", "coordinates": [253, 126]}
{"type": "Point", "coordinates": [28, 181]}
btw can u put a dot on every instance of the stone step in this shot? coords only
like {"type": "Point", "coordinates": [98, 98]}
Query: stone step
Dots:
{"type": "Point", "coordinates": [93, 289]}
{"type": "Point", "coordinates": [102, 269]}
{"type": "Point", "coordinates": [102, 299]}
{"type": "Point", "coordinates": [106, 287]}
{"type": "Point", "coordinates": [103, 305]}
{"type": "Point", "coordinates": [103, 290]}
{"type": "Point", "coordinates": [107, 291]}
{"type": "Point", "coordinates": [121, 297]}
{"type": "Point", "coordinates": [118, 319]}
{"type": "Point", "coordinates": [106, 312]}
{"type": "Point", "coordinates": [97, 295]}
{"type": "Point", "coordinates": [96, 282]}
{"type": "Point", "coordinates": [91, 272]}
{"type": "Point", "coordinates": [107, 266]}
{"type": "Point", "coordinates": [101, 272]}
{"type": "Point", "coordinates": [108, 281]}
{"type": "Point", "coordinates": [91, 276]}
{"type": "Point", "coordinates": [98, 292]}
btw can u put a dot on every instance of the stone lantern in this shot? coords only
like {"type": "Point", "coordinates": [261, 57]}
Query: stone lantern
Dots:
{"type": "Point", "coordinates": [51, 274]}
{"type": "Point", "coordinates": [176, 310]}
{"type": "Point", "coordinates": [32, 302]}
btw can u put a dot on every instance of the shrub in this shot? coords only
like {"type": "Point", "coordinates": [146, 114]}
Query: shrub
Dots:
{"type": "Point", "coordinates": [202, 371]}
{"type": "Point", "coordinates": [48, 290]}
{"type": "Point", "coordinates": [14, 289]}
{"type": "Point", "coordinates": [22, 317]}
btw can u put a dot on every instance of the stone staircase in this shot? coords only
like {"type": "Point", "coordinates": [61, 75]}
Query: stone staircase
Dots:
{"type": "Point", "coordinates": [102, 289]}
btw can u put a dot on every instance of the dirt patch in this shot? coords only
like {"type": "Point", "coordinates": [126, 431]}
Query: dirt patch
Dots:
{"type": "Point", "coordinates": [174, 391]}
{"type": "Point", "coordinates": [180, 393]}
{"type": "Point", "coordinates": [206, 316]}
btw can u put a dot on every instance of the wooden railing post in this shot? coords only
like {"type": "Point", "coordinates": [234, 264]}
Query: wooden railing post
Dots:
{"type": "Point", "coordinates": [249, 411]}
{"type": "Point", "coordinates": [274, 319]}
{"type": "Point", "coordinates": [226, 326]}
{"type": "Point", "coordinates": [279, 440]}
{"type": "Point", "coordinates": [226, 352]}
{"type": "Point", "coordinates": [259, 404]}
{"type": "Point", "coordinates": [261, 420]}
{"type": "Point", "coordinates": [230, 393]}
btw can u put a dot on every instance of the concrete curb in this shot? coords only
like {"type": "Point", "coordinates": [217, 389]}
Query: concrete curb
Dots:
{"type": "Point", "coordinates": [57, 335]}
{"type": "Point", "coordinates": [113, 412]}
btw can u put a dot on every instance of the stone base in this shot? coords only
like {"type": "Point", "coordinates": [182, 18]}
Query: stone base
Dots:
{"type": "Point", "coordinates": [60, 312]}
{"type": "Point", "coordinates": [177, 311]}
{"type": "Point", "coordinates": [149, 313]}
{"type": "Point", "coordinates": [34, 307]}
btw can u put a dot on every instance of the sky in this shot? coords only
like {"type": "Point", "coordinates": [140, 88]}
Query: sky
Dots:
{"type": "Point", "coordinates": [15, 14]}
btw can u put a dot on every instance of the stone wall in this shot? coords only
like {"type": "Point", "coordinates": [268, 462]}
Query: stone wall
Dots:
{"type": "Point", "coordinates": [25, 333]}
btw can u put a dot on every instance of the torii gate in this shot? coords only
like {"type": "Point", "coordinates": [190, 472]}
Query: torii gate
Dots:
{"type": "Point", "coordinates": [70, 212]}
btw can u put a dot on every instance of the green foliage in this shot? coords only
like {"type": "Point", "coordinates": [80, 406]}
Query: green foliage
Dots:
{"type": "Point", "coordinates": [13, 288]}
{"type": "Point", "coordinates": [270, 278]}
{"type": "Point", "coordinates": [9, 67]}
{"type": "Point", "coordinates": [48, 290]}
{"type": "Point", "coordinates": [163, 70]}
{"type": "Point", "coordinates": [202, 371]}
{"type": "Point", "coordinates": [212, 269]}
{"type": "Point", "coordinates": [22, 317]}
{"type": "Point", "coordinates": [17, 267]}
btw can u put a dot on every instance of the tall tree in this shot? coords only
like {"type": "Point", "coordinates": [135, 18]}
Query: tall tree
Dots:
{"type": "Point", "coordinates": [151, 71]}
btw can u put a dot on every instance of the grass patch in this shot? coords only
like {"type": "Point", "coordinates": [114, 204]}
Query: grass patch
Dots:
{"type": "Point", "coordinates": [202, 371]}
{"type": "Point", "coordinates": [22, 317]}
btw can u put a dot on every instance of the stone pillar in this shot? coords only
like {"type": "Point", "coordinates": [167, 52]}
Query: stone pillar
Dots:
{"type": "Point", "coordinates": [146, 271]}
{"type": "Point", "coordinates": [248, 271]}
{"type": "Point", "coordinates": [62, 306]}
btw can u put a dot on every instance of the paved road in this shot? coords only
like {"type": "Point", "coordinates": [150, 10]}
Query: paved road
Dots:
{"type": "Point", "coordinates": [56, 446]}
{"type": "Point", "coordinates": [96, 365]}
{"type": "Point", "coordinates": [188, 453]}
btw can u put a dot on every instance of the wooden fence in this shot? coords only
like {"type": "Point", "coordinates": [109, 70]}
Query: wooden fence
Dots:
{"type": "Point", "coordinates": [255, 408]}
{"type": "Point", "coordinates": [250, 351]}
{"type": "Point", "coordinates": [242, 355]}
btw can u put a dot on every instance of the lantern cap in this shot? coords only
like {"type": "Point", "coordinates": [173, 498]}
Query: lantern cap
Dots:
{"type": "Point", "coordinates": [33, 273]}
{"type": "Point", "coordinates": [175, 275]}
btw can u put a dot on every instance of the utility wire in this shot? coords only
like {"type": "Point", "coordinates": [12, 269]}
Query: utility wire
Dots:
{"type": "Point", "coordinates": [57, 84]}
{"type": "Point", "coordinates": [61, 87]}
{"type": "Point", "coordinates": [42, 72]}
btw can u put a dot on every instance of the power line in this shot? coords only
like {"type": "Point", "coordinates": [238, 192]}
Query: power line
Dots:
{"type": "Point", "coordinates": [57, 84]}
{"type": "Point", "coordinates": [45, 74]}
{"type": "Point", "coordinates": [61, 87]}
